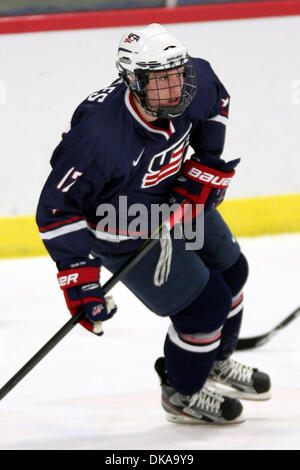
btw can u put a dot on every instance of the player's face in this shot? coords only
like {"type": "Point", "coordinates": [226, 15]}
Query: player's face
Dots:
{"type": "Point", "coordinates": [164, 88]}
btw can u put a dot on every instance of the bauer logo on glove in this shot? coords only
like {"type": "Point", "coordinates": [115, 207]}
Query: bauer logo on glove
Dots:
{"type": "Point", "coordinates": [67, 280]}
{"type": "Point", "coordinates": [202, 184]}
{"type": "Point", "coordinates": [213, 179]}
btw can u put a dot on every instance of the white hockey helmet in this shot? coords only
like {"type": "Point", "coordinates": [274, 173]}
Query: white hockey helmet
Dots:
{"type": "Point", "coordinates": [154, 49]}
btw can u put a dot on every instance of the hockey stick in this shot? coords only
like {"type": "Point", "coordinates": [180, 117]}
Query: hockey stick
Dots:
{"type": "Point", "coordinates": [255, 341]}
{"type": "Point", "coordinates": [165, 227]}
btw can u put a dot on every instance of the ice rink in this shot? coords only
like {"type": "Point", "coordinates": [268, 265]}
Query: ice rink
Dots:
{"type": "Point", "coordinates": [103, 393]}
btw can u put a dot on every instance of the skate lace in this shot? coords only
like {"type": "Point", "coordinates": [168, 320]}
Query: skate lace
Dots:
{"type": "Point", "coordinates": [233, 369]}
{"type": "Point", "coordinates": [206, 399]}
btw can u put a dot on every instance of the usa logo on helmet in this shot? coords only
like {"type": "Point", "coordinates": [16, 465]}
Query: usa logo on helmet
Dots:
{"type": "Point", "coordinates": [132, 37]}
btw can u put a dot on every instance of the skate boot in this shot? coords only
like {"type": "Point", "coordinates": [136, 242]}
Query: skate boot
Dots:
{"type": "Point", "coordinates": [236, 380]}
{"type": "Point", "coordinates": [203, 407]}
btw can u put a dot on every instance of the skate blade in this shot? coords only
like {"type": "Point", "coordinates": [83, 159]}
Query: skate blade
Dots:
{"type": "Point", "coordinates": [240, 395]}
{"type": "Point", "coordinates": [181, 419]}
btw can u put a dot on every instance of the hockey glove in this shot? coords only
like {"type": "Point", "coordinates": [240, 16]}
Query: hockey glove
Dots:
{"type": "Point", "coordinates": [79, 281]}
{"type": "Point", "coordinates": [204, 184]}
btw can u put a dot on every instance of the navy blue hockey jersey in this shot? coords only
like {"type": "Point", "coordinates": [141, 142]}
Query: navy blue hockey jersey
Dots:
{"type": "Point", "coordinates": [112, 157]}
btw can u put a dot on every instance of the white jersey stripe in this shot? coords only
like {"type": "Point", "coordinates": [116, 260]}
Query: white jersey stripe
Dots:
{"type": "Point", "coordinates": [219, 118]}
{"type": "Point", "coordinates": [63, 230]}
{"type": "Point", "coordinates": [237, 298]}
{"type": "Point", "coordinates": [173, 335]}
{"type": "Point", "coordinates": [236, 310]}
{"type": "Point", "coordinates": [112, 237]}
{"type": "Point", "coordinates": [237, 304]}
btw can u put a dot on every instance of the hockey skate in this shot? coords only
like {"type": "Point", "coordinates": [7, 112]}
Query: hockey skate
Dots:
{"type": "Point", "coordinates": [235, 380]}
{"type": "Point", "coordinates": [203, 407]}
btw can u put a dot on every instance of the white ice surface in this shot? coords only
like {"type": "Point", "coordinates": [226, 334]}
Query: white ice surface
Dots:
{"type": "Point", "coordinates": [102, 393]}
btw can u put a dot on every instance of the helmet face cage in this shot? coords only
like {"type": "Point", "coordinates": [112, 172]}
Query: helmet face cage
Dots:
{"type": "Point", "coordinates": [158, 87]}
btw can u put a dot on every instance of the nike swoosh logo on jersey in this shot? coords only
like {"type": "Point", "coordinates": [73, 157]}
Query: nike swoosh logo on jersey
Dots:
{"type": "Point", "coordinates": [135, 162]}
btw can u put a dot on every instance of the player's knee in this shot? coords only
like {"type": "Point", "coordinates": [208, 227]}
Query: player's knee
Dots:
{"type": "Point", "coordinates": [236, 276]}
{"type": "Point", "coordinates": [209, 310]}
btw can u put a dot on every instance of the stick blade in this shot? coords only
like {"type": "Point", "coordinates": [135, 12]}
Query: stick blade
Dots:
{"type": "Point", "coordinates": [256, 341]}
{"type": "Point", "coordinates": [252, 342]}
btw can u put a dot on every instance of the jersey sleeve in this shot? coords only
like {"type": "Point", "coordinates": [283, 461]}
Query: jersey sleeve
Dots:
{"type": "Point", "coordinates": [208, 137]}
{"type": "Point", "coordinates": [73, 181]}
{"type": "Point", "coordinates": [83, 168]}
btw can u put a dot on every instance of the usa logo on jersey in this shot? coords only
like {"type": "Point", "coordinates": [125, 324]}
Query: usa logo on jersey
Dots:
{"type": "Point", "coordinates": [167, 163]}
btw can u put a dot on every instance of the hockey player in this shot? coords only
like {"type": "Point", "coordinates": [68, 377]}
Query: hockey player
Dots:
{"type": "Point", "coordinates": [128, 142]}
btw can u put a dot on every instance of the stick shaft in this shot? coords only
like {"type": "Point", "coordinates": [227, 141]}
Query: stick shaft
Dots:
{"type": "Point", "coordinates": [255, 341]}
{"type": "Point", "coordinates": [136, 257]}
{"type": "Point", "coordinates": [40, 354]}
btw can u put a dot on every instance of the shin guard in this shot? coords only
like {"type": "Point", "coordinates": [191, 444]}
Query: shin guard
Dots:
{"type": "Point", "coordinates": [235, 277]}
{"type": "Point", "coordinates": [194, 336]}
